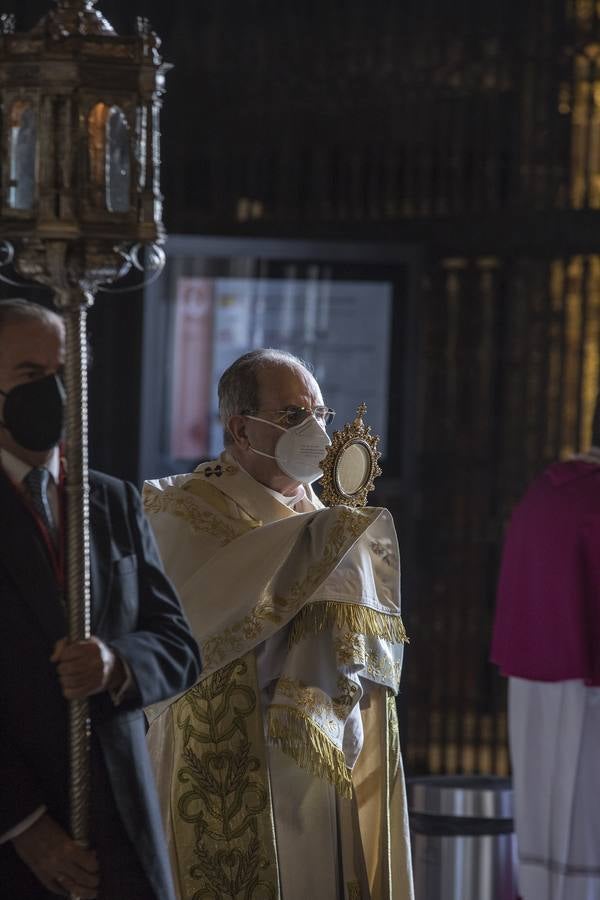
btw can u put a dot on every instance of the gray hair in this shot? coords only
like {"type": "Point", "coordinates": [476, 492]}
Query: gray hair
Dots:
{"type": "Point", "coordinates": [19, 310]}
{"type": "Point", "coordinates": [238, 385]}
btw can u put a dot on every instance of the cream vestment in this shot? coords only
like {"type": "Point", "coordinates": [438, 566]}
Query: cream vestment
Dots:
{"type": "Point", "coordinates": [280, 772]}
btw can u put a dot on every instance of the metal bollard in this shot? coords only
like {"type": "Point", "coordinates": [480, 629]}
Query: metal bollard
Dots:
{"type": "Point", "coordinates": [463, 841]}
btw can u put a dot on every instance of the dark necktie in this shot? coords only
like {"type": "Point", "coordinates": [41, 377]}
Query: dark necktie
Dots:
{"type": "Point", "coordinates": [36, 483]}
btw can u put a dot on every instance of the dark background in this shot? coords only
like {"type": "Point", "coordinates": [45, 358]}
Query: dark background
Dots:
{"type": "Point", "coordinates": [471, 131]}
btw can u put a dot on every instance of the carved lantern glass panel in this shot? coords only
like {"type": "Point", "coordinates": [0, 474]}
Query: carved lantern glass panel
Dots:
{"type": "Point", "coordinates": [109, 137]}
{"type": "Point", "coordinates": [22, 155]}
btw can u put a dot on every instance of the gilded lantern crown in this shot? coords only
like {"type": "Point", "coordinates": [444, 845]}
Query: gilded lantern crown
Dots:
{"type": "Point", "coordinates": [80, 143]}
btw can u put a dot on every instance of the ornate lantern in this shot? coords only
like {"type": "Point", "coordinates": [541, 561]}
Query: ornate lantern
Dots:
{"type": "Point", "coordinates": [80, 198]}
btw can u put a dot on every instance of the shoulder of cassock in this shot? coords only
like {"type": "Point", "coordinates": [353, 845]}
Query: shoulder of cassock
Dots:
{"type": "Point", "coordinates": [192, 515]}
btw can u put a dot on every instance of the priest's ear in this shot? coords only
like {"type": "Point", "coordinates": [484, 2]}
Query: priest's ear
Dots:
{"type": "Point", "coordinates": [235, 433]}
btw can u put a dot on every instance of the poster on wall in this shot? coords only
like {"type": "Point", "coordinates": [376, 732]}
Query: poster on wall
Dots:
{"type": "Point", "coordinates": [341, 328]}
{"type": "Point", "coordinates": [192, 368]}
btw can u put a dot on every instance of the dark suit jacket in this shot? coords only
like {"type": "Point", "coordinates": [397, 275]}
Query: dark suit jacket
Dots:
{"type": "Point", "coordinates": [136, 612]}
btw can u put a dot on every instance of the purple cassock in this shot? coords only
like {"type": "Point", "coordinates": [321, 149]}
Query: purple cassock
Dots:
{"type": "Point", "coordinates": [547, 625]}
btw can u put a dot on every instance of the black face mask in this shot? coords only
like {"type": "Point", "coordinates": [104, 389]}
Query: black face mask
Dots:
{"type": "Point", "coordinates": [34, 413]}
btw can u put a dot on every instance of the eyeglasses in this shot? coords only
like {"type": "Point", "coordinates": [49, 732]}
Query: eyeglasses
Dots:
{"type": "Point", "coordinates": [293, 415]}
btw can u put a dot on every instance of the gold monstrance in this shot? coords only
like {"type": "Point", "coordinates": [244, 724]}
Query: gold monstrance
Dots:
{"type": "Point", "coordinates": [350, 466]}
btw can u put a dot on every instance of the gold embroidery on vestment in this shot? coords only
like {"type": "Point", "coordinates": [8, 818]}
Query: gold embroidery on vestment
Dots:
{"type": "Point", "coordinates": [385, 552]}
{"type": "Point", "coordinates": [393, 733]}
{"type": "Point", "coordinates": [210, 494]}
{"type": "Point", "coordinates": [298, 736]}
{"type": "Point", "coordinates": [353, 650]}
{"type": "Point", "coordinates": [177, 503]}
{"type": "Point", "coordinates": [221, 790]}
{"type": "Point", "coordinates": [314, 702]}
{"type": "Point", "coordinates": [324, 615]}
{"type": "Point", "coordinates": [274, 609]}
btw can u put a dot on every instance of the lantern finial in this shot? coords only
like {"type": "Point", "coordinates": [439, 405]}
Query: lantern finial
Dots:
{"type": "Point", "coordinates": [7, 23]}
{"type": "Point", "coordinates": [73, 17]}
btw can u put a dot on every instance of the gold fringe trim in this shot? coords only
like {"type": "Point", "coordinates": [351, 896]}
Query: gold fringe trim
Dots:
{"type": "Point", "coordinates": [298, 736]}
{"type": "Point", "coordinates": [317, 617]}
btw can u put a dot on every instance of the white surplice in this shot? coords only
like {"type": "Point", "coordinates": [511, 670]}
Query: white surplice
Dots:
{"type": "Point", "coordinates": [554, 732]}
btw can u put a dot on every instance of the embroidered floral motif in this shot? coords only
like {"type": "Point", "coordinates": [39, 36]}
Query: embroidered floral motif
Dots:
{"type": "Point", "coordinates": [223, 790]}
{"type": "Point", "coordinates": [330, 711]}
{"type": "Point", "coordinates": [385, 553]}
{"type": "Point", "coordinates": [185, 507]}
{"type": "Point", "coordinates": [354, 650]}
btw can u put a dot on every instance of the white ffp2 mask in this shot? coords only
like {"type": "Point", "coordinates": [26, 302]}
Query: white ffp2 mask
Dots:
{"type": "Point", "coordinates": [299, 450]}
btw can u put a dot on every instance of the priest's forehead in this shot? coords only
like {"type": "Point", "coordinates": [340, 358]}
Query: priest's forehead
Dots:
{"type": "Point", "coordinates": [280, 385]}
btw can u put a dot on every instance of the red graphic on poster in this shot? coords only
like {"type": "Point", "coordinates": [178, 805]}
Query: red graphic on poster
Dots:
{"type": "Point", "coordinates": [192, 362]}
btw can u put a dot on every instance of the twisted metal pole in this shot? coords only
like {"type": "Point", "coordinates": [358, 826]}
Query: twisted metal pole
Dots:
{"type": "Point", "coordinates": [74, 303]}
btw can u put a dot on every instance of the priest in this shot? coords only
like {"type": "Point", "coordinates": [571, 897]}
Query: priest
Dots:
{"type": "Point", "coordinates": [547, 642]}
{"type": "Point", "coordinates": [280, 771]}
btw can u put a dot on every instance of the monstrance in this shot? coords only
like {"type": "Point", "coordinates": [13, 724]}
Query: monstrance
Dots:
{"type": "Point", "coordinates": [350, 465]}
{"type": "Point", "coordinates": [80, 201]}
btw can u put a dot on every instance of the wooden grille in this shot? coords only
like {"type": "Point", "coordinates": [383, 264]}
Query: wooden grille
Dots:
{"type": "Point", "coordinates": [510, 369]}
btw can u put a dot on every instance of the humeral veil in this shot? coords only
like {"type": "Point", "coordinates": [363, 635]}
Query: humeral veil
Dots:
{"type": "Point", "coordinates": [280, 772]}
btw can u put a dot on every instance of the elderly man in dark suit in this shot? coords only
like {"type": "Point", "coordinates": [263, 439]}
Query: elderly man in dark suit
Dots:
{"type": "Point", "coordinates": [141, 650]}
